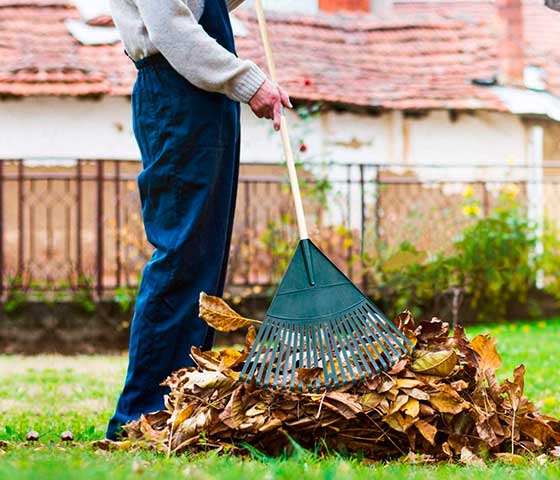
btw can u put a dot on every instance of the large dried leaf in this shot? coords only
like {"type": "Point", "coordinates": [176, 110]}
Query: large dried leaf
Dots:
{"type": "Point", "coordinates": [427, 430]}
{"type": "Point", "coordinates": [439, 363]}
{"type": "Point", "coordinates": [219, 315]}
{"type": "Point", "coordinates": [448, 401]}
{"type": "Point", "coordinates": [485, 347]}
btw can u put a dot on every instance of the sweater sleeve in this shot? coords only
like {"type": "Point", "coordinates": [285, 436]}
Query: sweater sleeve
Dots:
{"type": "Point", "coordinates": [177, 35]}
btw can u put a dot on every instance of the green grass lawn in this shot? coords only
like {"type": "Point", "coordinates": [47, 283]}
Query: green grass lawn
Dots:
{"type": "Point", "coordinates": [51, 394]}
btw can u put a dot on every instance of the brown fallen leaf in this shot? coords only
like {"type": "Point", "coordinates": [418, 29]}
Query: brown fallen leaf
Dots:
{"type": "Point", "coordinates": [219, 315]}
{"type": "Point", "coordinates": [439, 363]}
{"type": "Point", "coordinates": [448, 401]}
{"type": "Point", "coordinates": [485, 347]}
{"type": "Point", "coordinates": [469, 458]}
{"type": "Point", "coordinates": [427, 430]}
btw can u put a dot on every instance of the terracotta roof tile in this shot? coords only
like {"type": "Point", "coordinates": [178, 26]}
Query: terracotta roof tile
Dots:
{"type": "Point", "coordinates": [424, 58]}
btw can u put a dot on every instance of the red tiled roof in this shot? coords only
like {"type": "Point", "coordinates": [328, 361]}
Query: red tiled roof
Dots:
{"type": "Point", "coordinates": [415, 64]}
{"type": "Point", "coordinates": [420, 59]}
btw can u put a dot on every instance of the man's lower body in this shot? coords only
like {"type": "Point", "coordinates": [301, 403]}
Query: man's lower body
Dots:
{"type": "Point", "coordinates": [189, 141]}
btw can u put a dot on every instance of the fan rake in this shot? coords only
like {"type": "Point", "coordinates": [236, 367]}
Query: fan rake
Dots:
{"type": "Point", "coordinates": [320, 331]}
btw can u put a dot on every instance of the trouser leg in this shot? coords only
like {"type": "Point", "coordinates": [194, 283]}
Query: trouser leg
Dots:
{"type": "Point", "coordinates": [188, 203]}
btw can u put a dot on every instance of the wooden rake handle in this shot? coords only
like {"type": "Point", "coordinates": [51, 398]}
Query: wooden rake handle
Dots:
{"type": "Point", "coordinates": [284, 132]}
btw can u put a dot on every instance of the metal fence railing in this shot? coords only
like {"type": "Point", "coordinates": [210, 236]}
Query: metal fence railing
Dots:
{"type": "Point", "coordinates": [71, 225]}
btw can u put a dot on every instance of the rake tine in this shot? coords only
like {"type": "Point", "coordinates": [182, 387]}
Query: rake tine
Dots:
{"type": "Point", "coordinates": [318, 345]}
{"type": "Point", "coordinates": [287, 364]}
{"type": "Point", "coordinates": [356, 327]}
{"type": "Point", "coordinates": [351, 347]}
{"type": "Point", "coordinates": [302, 352]}
{"type": "Point", "coordinates": [397, 341]}
{"type": "Point", "coordinates": [382, 336]}
{"type": "Point", "coordinates": [256, 352]}
{"type": "Point", "coordinates": [347, 375]}
{"type": "Point", "coordinates": [328, 366]}
{"type": "Point", "coordinates": [280, 359]}
{"type": "Point", "coordinates": [268, 356]}
{"type": "Point", "coordinates": [308, 346]}
{"type": "Point", "coordinates": [368, 336]}
{"type": "Point", "coordinates": [330, 353]}
{"type": "Point", "coordinates": [358, 352]}
{"type": "Point", "coordinates": [296, 357]}
{"type": "Point", "coordinates": [392, 326]}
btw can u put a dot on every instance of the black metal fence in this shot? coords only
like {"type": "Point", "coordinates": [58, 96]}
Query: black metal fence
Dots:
{"type": "Point", "coordinates": [75, 225]}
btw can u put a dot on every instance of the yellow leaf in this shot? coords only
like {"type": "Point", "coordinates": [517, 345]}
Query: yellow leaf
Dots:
{"type": "Point", "coordinates": [206, 379]}
{"type": "Point", "coordinates": [219, 315]}
{"type": "Point", "coordinates": [439, 363]}
{"type": "Point", "coordinates": [485, 347]}
{"type": "Point", "coordinates": [179, 416]}
{"type": "Point", "coordinates": [511, 458]}
{"type": "Point", "coordinates": [209, 360]}
{"type": "Point", "coordinates": [230, 358]}
{"type": "Point", "coordinates": [408, 383]}
{"type": "Point", "coordinates": [412, 407]}
{"type": "Point", "coordinates": [399, 402]}
{"type": "Point", "coordinates": [371, 400]}
{"type": "Point", "coordinates": [398, 422]}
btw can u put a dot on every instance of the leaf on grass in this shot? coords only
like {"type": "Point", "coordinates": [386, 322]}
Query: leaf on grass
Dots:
{"type": "Point", "coordinates": [180, 416]}
{"type": "Point", "coordinates": [469, 458]}
{"type": "Point", "coordinates": [439, 363]}
{"type": "Point", "coordinates": [408, 383]}
{"type": "Point", "coordinates": [219, 315]}
{"type": "Point", "coordinates": [510, 458]}
{"type": "Point", "coordinates": [435, 331]}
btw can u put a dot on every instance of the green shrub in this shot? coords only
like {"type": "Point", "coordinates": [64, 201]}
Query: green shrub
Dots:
{"type": "Point", "coordinates": [491, 261]}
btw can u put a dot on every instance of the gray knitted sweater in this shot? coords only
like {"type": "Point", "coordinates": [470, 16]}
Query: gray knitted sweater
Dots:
{"type": "Point", "coordinates": [171, 27]}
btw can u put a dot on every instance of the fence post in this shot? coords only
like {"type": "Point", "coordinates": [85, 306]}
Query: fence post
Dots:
{"type": "Point", "coordinates": [362, 226]}
{"type": "Point", "coordinates": [79, 222]}
{"type": "Point", "coordinates": [118, 221]}
{"type": "Point", "coordinates": [100, 224]}
{"type": "Point", "coordinates": [535, 192]}
{"type": "Point", "coordinates": [21, 228]}
{"type": "Point", "coordinates": [1, 228]}
{"type": "Point", "coordinates": [349, 218]}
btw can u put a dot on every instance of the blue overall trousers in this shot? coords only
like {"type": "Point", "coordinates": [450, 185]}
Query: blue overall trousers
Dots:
{"type": "Point", "coordinates": [189, 142]}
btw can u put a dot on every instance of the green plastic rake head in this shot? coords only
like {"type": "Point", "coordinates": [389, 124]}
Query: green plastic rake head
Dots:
{"type": "Point", "coordinates": [318, 319]}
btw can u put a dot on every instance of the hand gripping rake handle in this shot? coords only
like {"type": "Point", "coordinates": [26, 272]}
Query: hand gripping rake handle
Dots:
{"type": "Point", "coordinates": [288, 152]}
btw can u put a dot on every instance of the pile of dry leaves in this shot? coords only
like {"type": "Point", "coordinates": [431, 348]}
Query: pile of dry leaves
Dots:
{"type": "Point", "coordinates": [444, 402]}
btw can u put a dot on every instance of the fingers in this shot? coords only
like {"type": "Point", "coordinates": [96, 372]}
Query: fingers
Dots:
{"type": "Point", "coordinates": [285, 98]}
{"type": "Point", "coordinates": [277, 114]}
{"type": "Point", "coordinates": [268, 102]}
